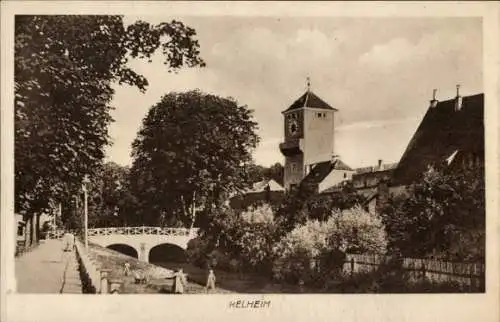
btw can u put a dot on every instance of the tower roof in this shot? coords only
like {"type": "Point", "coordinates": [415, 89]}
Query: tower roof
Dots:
{"type": "Point", "coordinates": [309, 99]}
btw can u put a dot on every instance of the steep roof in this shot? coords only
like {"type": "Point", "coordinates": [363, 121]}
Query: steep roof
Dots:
{"type": "Point", "coordinates": [309, 99]}
{"type": "Point", "coordinates": [442, 132]}
{"type": "Point", "coordinates": [322, 169]}
{"type": "Point", "coordinates": [261, 186]}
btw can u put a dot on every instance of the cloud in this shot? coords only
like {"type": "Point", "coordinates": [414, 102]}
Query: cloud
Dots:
{"type": "Point", "coordinates": [379, 73]}
{"type": "Point", "coordinates": [367, 125]}
{"type": "Point", "coordinates": [388, 54]}
{"type": "Point", "coordinates": [440, 45]}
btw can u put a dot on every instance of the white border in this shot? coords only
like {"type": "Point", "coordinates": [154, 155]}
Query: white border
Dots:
{"type": "Point", "coordinates": [482, 307]}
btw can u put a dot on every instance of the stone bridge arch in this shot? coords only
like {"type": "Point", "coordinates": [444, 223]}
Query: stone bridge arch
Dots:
{"type": "Point", "coordinates": [167, 252]}
{"type": "Point", "coordinates": [142, 239]}
{"type": "Point", "coordinates": [124, 249]}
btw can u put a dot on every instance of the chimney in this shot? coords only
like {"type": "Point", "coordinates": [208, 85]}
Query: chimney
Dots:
{"type": "Point", "coordinates": [334, 158]}
{"type": "Point", "coordinates": [458, 100]}
{"type": "Point", "coordinates": [434, 101]}
{"type": "Point", "coordinates": [379, 164]}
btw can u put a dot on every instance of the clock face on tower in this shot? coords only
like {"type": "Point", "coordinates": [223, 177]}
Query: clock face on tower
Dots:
{"type": "Point", "coordinates": [293, 127]}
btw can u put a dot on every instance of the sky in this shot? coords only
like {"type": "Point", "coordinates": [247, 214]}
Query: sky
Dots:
{"type": "Point", "coordinates": [378, 72]}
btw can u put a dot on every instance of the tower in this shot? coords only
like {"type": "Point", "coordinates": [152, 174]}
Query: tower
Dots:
{"type": "Point", "coordinates": [308, 136]}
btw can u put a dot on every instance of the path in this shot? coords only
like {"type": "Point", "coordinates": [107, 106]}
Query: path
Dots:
{"type": "Point", "coordinates": [47, 269]}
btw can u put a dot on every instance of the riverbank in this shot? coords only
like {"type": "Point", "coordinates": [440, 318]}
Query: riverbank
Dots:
{"type": "Point", "coordinates": [157, 283]}
{"type": "Point", "coordinates": [239, 282]}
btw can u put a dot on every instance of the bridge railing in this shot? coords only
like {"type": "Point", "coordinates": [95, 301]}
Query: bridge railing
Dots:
{"type": "Point", "coordinates": [56, 234]}
{"type": "Point", "coordinates": [144, 230]}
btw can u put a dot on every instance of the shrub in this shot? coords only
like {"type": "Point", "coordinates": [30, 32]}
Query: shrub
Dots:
{"type": "Point", "coordinates": [197, 252]}
{"type": "Point", "coordinates": [218, 258]}
{"type": "Point", "coordinates": [260, 214]}
{"type": "Point", "coordinates": [315, 250]}
{"type": "Point", "coordinates": [441, 215]}
{"type": "Point", "coordinates": [358, 231]}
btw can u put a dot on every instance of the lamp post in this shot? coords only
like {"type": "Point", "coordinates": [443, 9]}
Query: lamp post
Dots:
{"type": "Point", "coordinates": [85, 213]}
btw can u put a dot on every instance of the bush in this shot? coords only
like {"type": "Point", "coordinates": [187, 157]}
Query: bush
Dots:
{"type": "Point", "coordinates": [441, 215]}
{"type": "Point", "coordinates": [262, 214]}
{"type": "Point", "coordinates": [197, 252]}
{"type": "Point", "coordinates": [358, 231]}
{"type": "Point", "coordinates": [315, 251]}
{"type": "Point", "coordinates": [218, 258]}
{"type": "Point", "coordinates": [388, 279]}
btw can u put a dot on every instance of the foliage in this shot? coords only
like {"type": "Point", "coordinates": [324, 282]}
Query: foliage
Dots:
{"type": "Point", "coordinates": [261, 214]}
{"type": "Point", "coordinates": [64, 68]}
{"type": "Point", "coordinates": [240, 241]}
{"type": "Point", "coordinates": [190, 152]}
{"type": "Point", "coordinates": [353, 230]}
{"type": "Point", "coordinates": [197, 251]}
{"type": "Point", "coordinates": [357, 230]}
{"type": "Point", "coordinates": [109, 198]}
{"type": "Point", "coordinates": [258, 173]}
{"type": "Point", "coordinates": [304, 203]}
{"type": "Point", "coordinates": [255, 244]}
{"type": "Point", "coordinates": [319, 206]}
{"type": "Point", "coordinates": [393, 280]}
{"type": "Point", "coordinates": [441, 216]}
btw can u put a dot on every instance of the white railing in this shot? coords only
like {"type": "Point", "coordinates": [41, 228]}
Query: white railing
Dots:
{"type": "Point", "coordinates": [144, 230]}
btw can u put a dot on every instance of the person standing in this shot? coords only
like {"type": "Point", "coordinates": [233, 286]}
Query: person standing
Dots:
{"type": "Point", "coordinates": [210, 281]}
{"type": "Point", "coordinates": [179, 282]}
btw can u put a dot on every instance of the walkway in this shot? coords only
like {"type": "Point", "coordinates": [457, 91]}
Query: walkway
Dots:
{"type": "Point", "coordinates": [47, 269]}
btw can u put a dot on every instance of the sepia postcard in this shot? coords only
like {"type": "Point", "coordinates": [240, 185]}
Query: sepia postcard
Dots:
{"type": "Point", "coordinates": [330, 161]}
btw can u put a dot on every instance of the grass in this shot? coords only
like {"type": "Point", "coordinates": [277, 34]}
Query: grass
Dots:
{"type": "Point", "coordinates": [157, 283]}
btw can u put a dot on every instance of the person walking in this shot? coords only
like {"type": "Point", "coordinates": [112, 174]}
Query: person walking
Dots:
{"type": "Point", "coordinates": [210, 281]}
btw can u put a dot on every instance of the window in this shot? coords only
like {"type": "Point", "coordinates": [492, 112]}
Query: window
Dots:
{"type": "Point", "coordinates": [319, 115]}
{"type": "Point", "coordinates": [345, 175]}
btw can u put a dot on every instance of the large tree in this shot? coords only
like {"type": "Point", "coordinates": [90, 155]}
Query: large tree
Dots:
{"type": "Point", "coordinates": [64, 70]}
{"type": "Point", "coordinates": [109, 199]}
{"type": "Point", "coordinates": [191, 152]}
{"type": "Point", "coordinates": [442, 215]}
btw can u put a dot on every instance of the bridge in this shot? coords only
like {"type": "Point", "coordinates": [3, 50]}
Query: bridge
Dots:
{"type": "Point", "coordinates": [139, 242]}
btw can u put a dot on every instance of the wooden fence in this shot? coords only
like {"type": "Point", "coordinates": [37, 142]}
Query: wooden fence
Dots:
{"type": "Point", "coordinates": [471, 275]}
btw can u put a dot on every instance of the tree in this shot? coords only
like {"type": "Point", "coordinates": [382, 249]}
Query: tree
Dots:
{"type": "Point", "coordinates": [320, 206]}
{"type": "Point", "coordinates": [190, 153]}
{"type": "Point", "coordinates": [275, 172]}
{"type": "Point", "coordinates": [443, 215]}
{"type": "Point", "coordinates": [305, 203]}
{"type": "Point", "coordinates": [108, 195]}
{"type": "Point", "coordinates": [64, 69]}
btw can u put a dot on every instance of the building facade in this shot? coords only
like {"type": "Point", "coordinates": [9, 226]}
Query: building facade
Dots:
{"type": "Point", "coordinates": [309, 125]}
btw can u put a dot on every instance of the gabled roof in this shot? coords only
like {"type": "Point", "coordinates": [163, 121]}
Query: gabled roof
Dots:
{"type": "Point", "coordinates": [383, 167]}
{"type": "Point", "coordinates": [309, 99]}
{"type": "Point", "coordinates": [322, 169]}
{"type": "Point", "coordinates": [443, 131]}
{"type": "Point", "coordinates": [262, 185]}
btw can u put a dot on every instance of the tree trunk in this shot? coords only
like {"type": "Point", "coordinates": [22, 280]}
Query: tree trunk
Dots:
{"type": "Point", "coordinates": [27, 232]}
{"type": "Point", "coordinates": [31, 226]}
{"type": "Point", "coordinates": [34, 220]}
